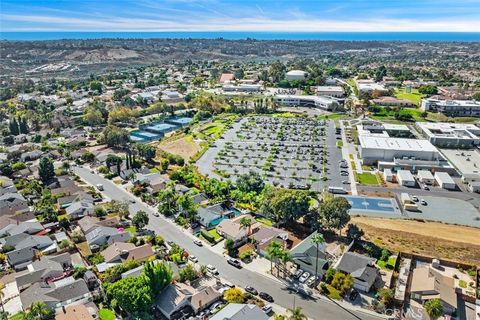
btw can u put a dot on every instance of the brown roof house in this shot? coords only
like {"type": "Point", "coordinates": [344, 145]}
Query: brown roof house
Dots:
{"type": "Point", "coordinates": [123, 251]}
{"type": "Point", "coordinates": [180, 298]}
{"type": "Point", "coordinates": [233, 230]}
{"type": "Point", "coordinates": [428, 283]}
{"type": "Point", "coordinates": [75, 312]}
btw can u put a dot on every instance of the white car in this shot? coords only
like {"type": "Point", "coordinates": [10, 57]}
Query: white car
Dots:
{"type": "Point", "coordinates": [212, 269]}
{"type": "Point", "coordinates": [311, 281]}
{"type": "Point", "coordinates": [415, 198]}
{"type": "Point", "coordinates": [193, 259]}
{"type": "Point", "coordinates": [216, 307]}
{"type": "Point", "coordinates": [304, 277]}
{"type": "Point", "coordinates": [423, 202]}
{"type": "Point", "coordinates": [198, 243]}
{"type": "Point", "coordinates": [267, 309]}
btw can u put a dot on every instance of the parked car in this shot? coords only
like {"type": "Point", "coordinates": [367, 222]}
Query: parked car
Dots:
{"type": "Point", "coordinates": [425, 187]}
{"type": "Point", "coordinates": [345, 182]}
{"type": "Point", "coordinates": [304, 277]}
{"type": "Point", "coordinates": [170, 243]}
{"type": "Point", "coordinates": [298, 273]}
{"type": "Point", "coordinates": [344, 173]}
{"type": "Point", "coordinates": [311, 281]}
{"type": "Point", "coordinates": [423, 202]}
{"type": "Point", "coordinates": [265, 296]}
{"type": "Point", "coordinates": [353, 295]}
{"type": "Point", "coordinates": [193, 259]}
{"type": "Point", "coordinates": [415, 198]}
{"type": "Point", "coordinates": [251, 290]}
{"type": "Point", "coordinates": [198, 243]}
{"type": "Point", "coordinates": [212, 269]}
{"type": "Point", "coordinates": [267, 309]}
{"type": "Point", "coordinates": [215, 307]}
{"type": "Point", "coordinates": [234, 262]}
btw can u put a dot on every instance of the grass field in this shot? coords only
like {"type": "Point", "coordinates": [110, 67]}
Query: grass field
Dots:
{"type": "Point", "coordinates": [265, 221]}
{"type": "Point", "coordinates": [367, 178]}
{"type": "Point", "coordinates": [106, 314]}
{"type": "Point", "coordinates": [414, 96]}
{"type": "Point", "coordinates": [184, 146]}
{"type": "Point", "coordinates": [387, 265]}
{"type": "Point", "coordinates": [214, 233]}
{"type": "Point", "coordinates": [132, 230]}
{"type": "Point", "coordinates": [458, 243]}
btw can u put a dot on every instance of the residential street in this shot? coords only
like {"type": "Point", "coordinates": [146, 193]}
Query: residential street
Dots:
{"type": "Point", "coordinates": [315, 309]}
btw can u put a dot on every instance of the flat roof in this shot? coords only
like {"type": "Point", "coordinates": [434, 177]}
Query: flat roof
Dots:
{"type": "Point", "coordinates": [444, 177]}
{"type": "Point", "coordinates": [425, 174]}
{"type": "Point", "coordinates": [405, 175]}
{"type": "Point", "coordinates": [329, 88]}
{"type": "Point", "coordinates": [400, 144]}
{"type": "Point", "coordinates": [453, 130]}
{"type": "Point", "coordinates": [463, 160]}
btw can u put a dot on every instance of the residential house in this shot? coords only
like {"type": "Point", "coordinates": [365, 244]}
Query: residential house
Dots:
{"type": "Point", "coordinates": [122, 252]}
{"type": "Point", "coordinates": [57, 294]}
{"type": "Point", "coordinates": [79, 210]}
{"type": "Point", "coordinates": [212, 215]}
{"type": "Point", "coordinates": [361, 268]}
{"type": "Point", "coordinates": [155, 181]}
{"type": "Point", "coordinates": [232, 229]}
{"type": "Point", "coordinates": [28, 227]}
{"type": "Point", "coordinates": [266, 235]}
{"type": "Point", "coordinates": [238, 311]}
{"type": "Point", "coordinates": [428, 283]}
{"type": "Point", "coordinates": [24, 248]}
{"type": "Point", "coordinates": [181, 298]}
{"type": "Point", "coordinates": [45, 269]}
{"type": "Point", "coordinates": [11, 203]}
{"type": "Point", "coordinates": [308, 258]}
{"type": "Point", "coordinates": [66, 201]}
{"type": "Point", "coordinates": [106, 235]}
{"type": "Point", "coordinates": [89, 223]}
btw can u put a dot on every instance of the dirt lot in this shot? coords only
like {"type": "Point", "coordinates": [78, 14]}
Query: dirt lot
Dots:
{"type": "Point", "coordinates": [184, 146]}
{"type": "Point", "coordinates": [431, 238]}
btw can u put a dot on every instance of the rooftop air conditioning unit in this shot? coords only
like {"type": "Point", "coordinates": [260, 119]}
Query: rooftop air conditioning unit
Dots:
{"type": "Point", "coordinates": [436, 263]}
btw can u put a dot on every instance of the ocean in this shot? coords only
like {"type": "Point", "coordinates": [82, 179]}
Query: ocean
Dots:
{"type": "Point", "coordinates": [338, 36]}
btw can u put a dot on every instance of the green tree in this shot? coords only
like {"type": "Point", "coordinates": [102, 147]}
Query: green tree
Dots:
{"type": "Point", "coordinates": [273, 252]}
{"type": "Point", "coordinates": [167, 201]}
{"type": "Point", "coordinates": [296, 313]}
{"type": "Point", "coordinates": [342, 282]}
{"type": "Point", "coordinates": [333, 212]}
{"type": "Point", "coordinates": [246, 223]}
{"type": "Point", "coordinates": [187, 273]}
{"type": "Point", "coordinates": [92, 116]}
{"type": "Point", "coordinates": [113, 160]}
{"type": "Point", "coordinates": [386, 296]}
{"type": "Point", "coordinates": [140, 219]}
{"type": "Point", "coordinates": [354, 232]}
{"type": "Point", "coordinates": [39, 311]}
{"type": "Point", "coordinates": [13, 126]}
{"type": "Point", "coordinates": [250, 182]}
{"type": "Point", "coordinates": [434, 308]}
{"type": "Point", "coordinates": [234, 295]}
{"type": "Point", "coordinates": [115, 137]}
{"type": "Point", "coordinates": [157, 275]}
{"type": "Point", "coordinates": [286, 205]}
{"type": "Point", "coordinates": [130, 294]}
{"type": "Point", "coordinates": [96, 86]}
{"type": "Point", "coordinates": [146, 151]}
{"type": "Point", "coordinates": [428, 89]}
{"type": "Point", "coordinates": [46, 171]}
{"type": "Point", "coordinates": [187, 206]}
{"type": "Point", "coordinates": [476, 96]}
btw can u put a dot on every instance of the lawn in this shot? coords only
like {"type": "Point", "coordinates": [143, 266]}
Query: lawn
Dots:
{"type": "Point", "coordinates": [387, 265]}
{"type": "Point", "coordinates": [388, 113]}
{"type": "Point", "coordinates": [332, 116]}
{"type": "Point", "coordinates": [106, 314]}
{"type": "Point", "coordinates": [213, 232]}
{"type": "Point", "coordinates": [84, 249]}
{"type": "Point", "coordinates": [367, 178]}
{"type": "Point", "coordinates": [265, 221]}
{"type": "Point", "coordinates": [17, 316]}
{"type": "Point", "coordinates": [132, 230]}
{"type": "Point", "coordinates": [414, 96]}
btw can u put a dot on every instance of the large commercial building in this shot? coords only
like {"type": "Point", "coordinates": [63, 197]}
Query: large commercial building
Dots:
{"type": "Point", "coordinates": [330, 91]}
{"type": "Point", "coordinates": [247, 88]}
{"type": "Point", "coordinates": [376, 149]}
{"type": "Point", "coordinates": [453, 108]}
{"type": "Point", "coordinates": [378, 129]}
{"type": "Point", "coordinates": [450, 135]}
{"type": "Point", "coordinates": [369, 86]}
{"type": "Point", "coordinates": [296, 75]}
{"type": "Point", "coordinates": [289, 100]}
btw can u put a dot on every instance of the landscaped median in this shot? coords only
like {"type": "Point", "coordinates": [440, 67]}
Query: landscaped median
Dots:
{"type": "Point", "coordinates": [366, 178]}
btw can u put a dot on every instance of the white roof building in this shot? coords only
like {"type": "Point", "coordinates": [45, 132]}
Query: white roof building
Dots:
{"type": "Point", "coordinates": [374, 149]}
{"type": "Point", "coordinates": [453, 108]}
{"type": "Point", "coordinates": [450, 134]}
{"type": "Point", "coordinates": [297, 75]}
{"type": "Point", "coordinates": [291, 100]}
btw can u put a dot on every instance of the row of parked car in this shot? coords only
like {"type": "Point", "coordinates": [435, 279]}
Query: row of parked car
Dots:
{"type": "Point", "coordinates": [304, 276]}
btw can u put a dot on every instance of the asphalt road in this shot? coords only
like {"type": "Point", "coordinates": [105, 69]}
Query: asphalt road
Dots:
{"type": "Point", "coordinates": [315, 309]}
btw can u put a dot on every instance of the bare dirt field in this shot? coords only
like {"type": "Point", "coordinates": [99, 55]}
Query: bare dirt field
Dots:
{"type": "Point", "coordinates": [427, 238]}
{"type": "Point", "coordinates": [184, 146]}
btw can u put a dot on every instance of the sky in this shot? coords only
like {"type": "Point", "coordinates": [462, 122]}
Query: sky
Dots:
{"type": "Point", "coordinates": [241, 15]}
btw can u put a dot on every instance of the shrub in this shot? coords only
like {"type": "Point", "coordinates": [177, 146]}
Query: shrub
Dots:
{"type": "Point", "coordinates": [207, 236]}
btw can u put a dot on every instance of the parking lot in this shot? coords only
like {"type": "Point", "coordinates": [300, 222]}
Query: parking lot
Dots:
{"type": "Point", "coordinates": [298, 153]}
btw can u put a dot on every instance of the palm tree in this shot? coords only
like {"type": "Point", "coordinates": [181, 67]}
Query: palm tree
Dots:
{"type": "Point", "coordinates": [317, 239]}
{"type": "Point", "coordinates": [296, 313]}
{"type": "Point", "coordinates": [39, 310]}
{"type": "Point", "coordinates": [285, 256]}
{"type": "Point", "coordinates": [246, 223]}
{"type": "Point", "coordinates": [273, 250]}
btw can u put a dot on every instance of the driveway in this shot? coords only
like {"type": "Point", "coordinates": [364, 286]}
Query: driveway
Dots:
{"type": "Point", "coordinates": [240, 277]}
